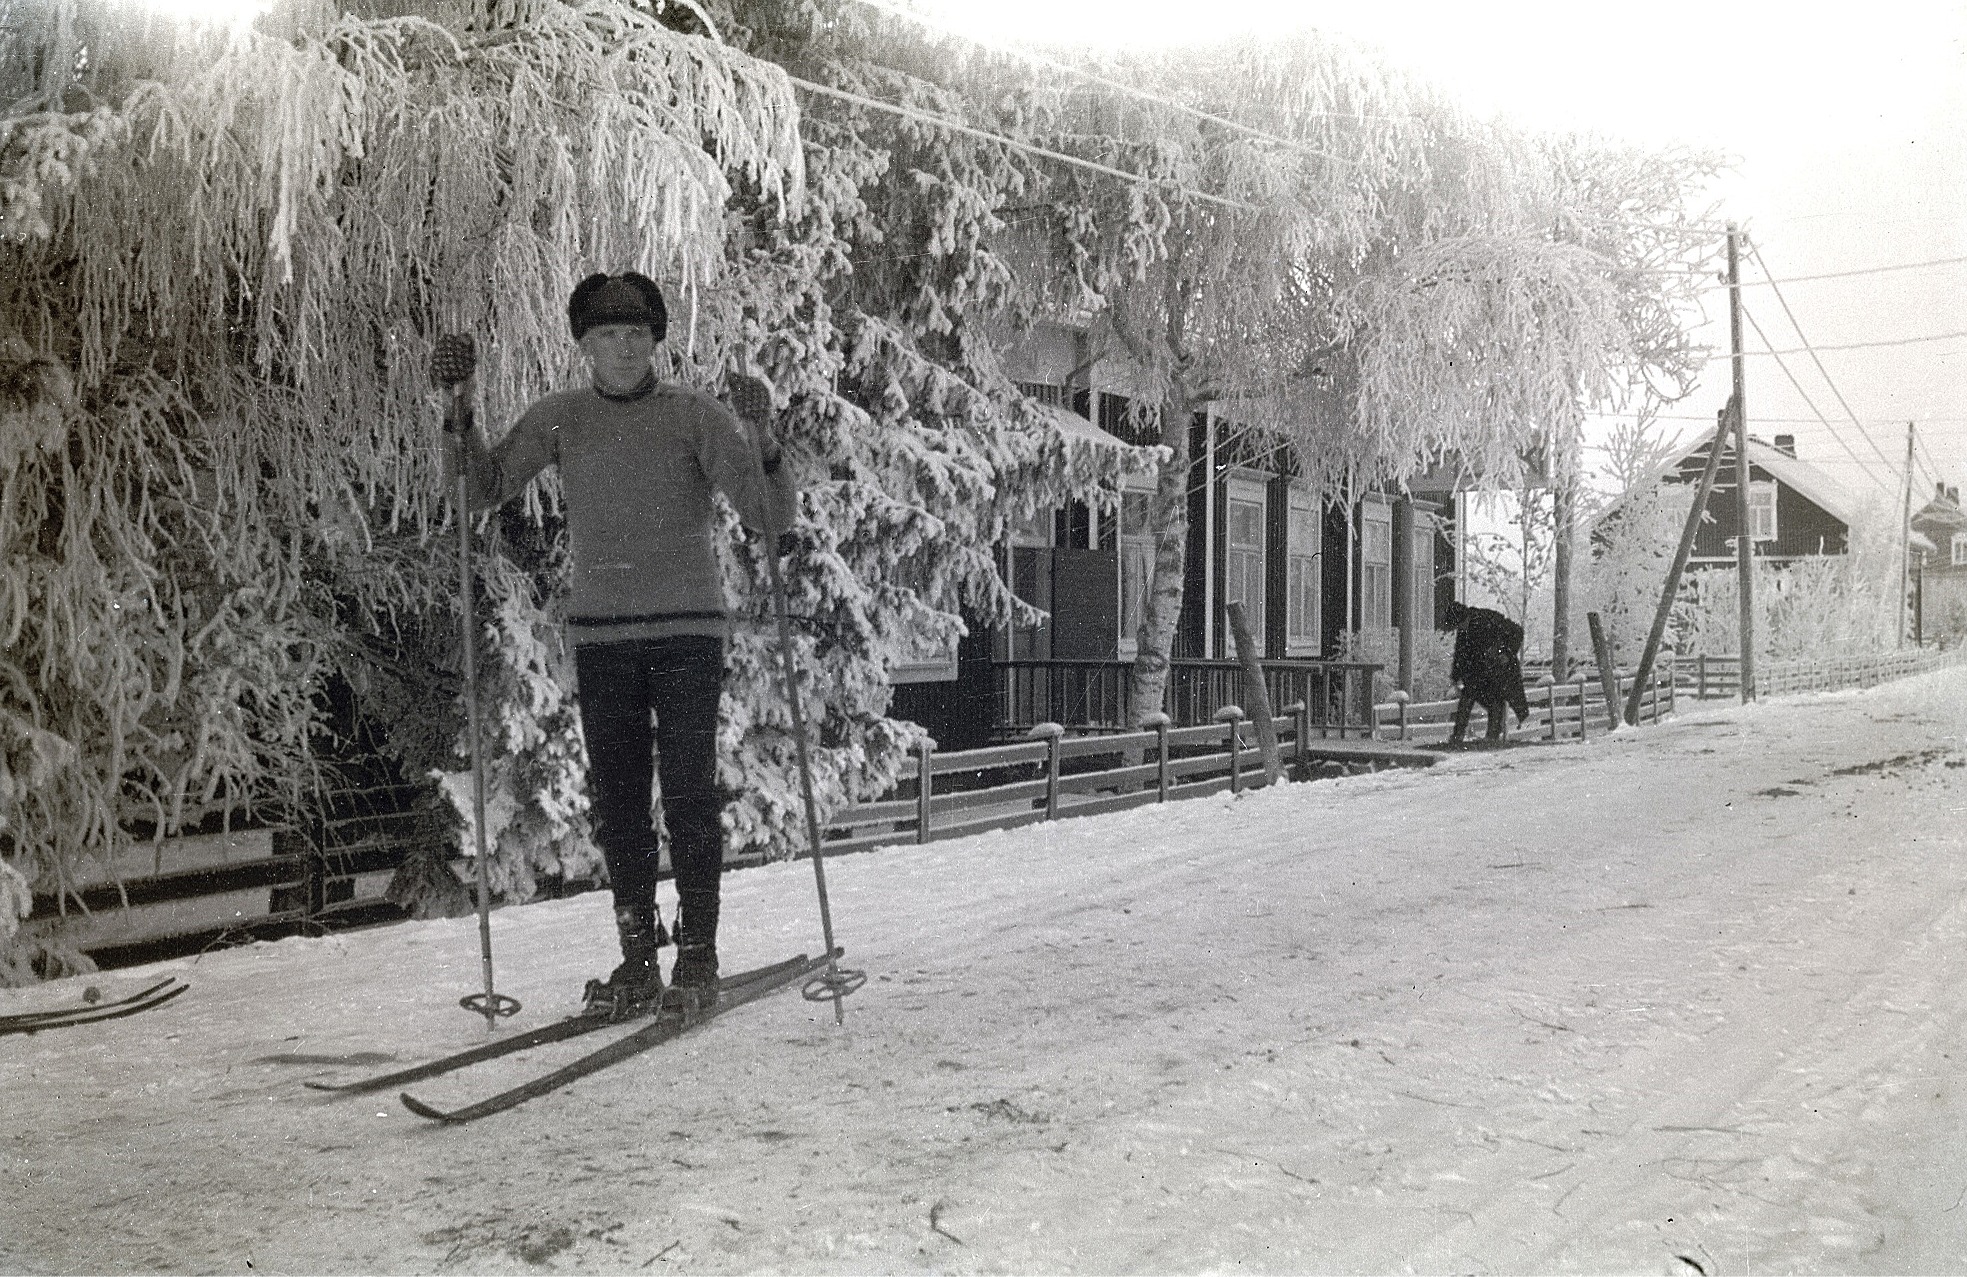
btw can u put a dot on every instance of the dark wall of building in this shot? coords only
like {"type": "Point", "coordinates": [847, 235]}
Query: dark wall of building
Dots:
{"type": "Point", "coordinates": [1802, 526]}
{"type": "Point", "coordinates": [1189, 642]}
{"type": "Point", "coordinates": [1446, 539]}
{"type": "Point", "coordinates": [1332, 601]}
{"type": "Point", "coordinates": [958, 714]}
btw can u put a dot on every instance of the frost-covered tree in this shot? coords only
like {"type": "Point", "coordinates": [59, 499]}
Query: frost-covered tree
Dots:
{"type": "Point", "coordinates": [224, 254]}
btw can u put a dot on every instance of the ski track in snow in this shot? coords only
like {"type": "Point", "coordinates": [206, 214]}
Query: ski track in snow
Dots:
{"type": "Point", "coordinates": [1683, 999]}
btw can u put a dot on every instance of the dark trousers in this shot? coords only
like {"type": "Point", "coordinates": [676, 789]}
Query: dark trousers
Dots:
{"type": "Point", "coordinates": [681, 679]}
{"type": "Point", "coordinates": [1493, 704]}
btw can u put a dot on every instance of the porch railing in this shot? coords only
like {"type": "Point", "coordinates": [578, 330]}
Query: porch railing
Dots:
{"type": "Point", "coordinates": [1097, 696]}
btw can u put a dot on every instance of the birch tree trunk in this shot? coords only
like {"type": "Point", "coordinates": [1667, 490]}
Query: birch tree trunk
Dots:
{"type": "Point", "coordinates": [1168, 515]}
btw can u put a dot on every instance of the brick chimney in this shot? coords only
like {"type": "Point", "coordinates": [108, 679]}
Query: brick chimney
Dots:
{"type": "Point", "coordinates": [1785, 444]}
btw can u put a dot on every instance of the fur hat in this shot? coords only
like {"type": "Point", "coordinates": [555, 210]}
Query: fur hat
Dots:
{"type": "Point", "coordinates": [627, 298]}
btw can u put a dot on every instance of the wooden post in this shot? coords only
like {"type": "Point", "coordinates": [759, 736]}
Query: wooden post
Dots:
{"type": "Point", "coordinates": [1550, 701]}
{"type": "Point", "coordinates": [1905, 541]}
{"type": "Point", "coordinates": [924, 754]}
{"type": "Point", "coordinates": [1158, 723]}
{"type": "Point", "coordinates": [1051, 734]}
{"type": "Point", "coordinates": [1255, 694]}
{"type": "Point", "coordinates": [1700, 665]}
{"type": "Point", "coordinates": [1608, 675]}
{"type": "Point", "coordinates": [1744, 535]}
{"type": "Point", "coordinates": [1403, 593]}
{"type": "Point", "coordinates": [1680, 556]}
{"type": "Point", "coordinates": [1233, 715]}
{"type": "Point", "coordinates": [1299, 715]}
{"type": "Point", "coordinates": [1400, 699]}
{"type": "Point", "coordinates": [1584, 710]}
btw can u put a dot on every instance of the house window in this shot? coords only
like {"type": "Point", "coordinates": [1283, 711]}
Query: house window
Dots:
{"type": "Point", "coordinates": [1762, 511]}
{"type": "Point", "coordinates": [1030, 578]}
{"type": "Point", "coordinates": [1301, 576]}
{"type": "Point", "coordinates": [1136, 565]}
{"type": "Point", "coordinates": [1959, 548]}
{"type": "Point", "coordinates": [1243, 551]}
{"type": "Point", "coordinates": [1420, 582]}
{"type": "Point", "coordinates": [1376, 567]}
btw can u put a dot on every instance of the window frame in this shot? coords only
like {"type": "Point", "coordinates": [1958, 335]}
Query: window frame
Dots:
{"type": "Point", "coordinates": [1303, 596]}
{"type": "Point", "coordinates": [1762, 500]}
{"type": "Point", "coordinates": [1375, 514]}
{"type": "Point", "coordinates": [1251, 488]}
{"type": "Point", "coordinates": [1127, 543]}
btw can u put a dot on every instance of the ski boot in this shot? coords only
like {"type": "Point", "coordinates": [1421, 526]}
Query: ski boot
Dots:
{"type": "Point", "coordinates": [635, 986]}
{"type": "Point", "coordinates": [693, 982]}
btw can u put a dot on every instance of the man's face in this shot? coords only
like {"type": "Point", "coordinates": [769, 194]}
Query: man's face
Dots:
{"type": "Point", "coordinates": [618, 355]}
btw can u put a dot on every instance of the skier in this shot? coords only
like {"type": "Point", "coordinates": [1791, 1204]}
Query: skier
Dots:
{"type": "Point", "coordinates": [638, 461]}
{"type": "Point", "coordinates": [1487, 667]}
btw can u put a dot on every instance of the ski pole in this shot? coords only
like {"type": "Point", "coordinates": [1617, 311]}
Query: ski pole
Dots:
{"type": "Point", "coordinates": [752, 398]}
{"type": "Point", "coordinates": [452, 366]}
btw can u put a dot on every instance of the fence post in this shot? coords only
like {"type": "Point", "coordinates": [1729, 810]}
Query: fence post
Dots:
{"type": "Point", "coordinates": [1700, 664]}
{"type": "Point", "coordinates": [1160, 722]}
{"type": "Point", "coordinates": [1233, 715]}
{"type": "Point", "coordinates": [1051, 734]}
{"type": "Point", "coordinates": [924, 751]}
{"type": "Point", "coordinates": [1296, 712]}
{"type": "Point", "coordinates": [1549, 684]}
{"type": "Point", "coordinates": [1400, 699]}
{"type": "Point", "coordinates": [1584, 710]}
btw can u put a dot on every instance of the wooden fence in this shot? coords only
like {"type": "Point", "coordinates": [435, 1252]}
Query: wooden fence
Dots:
{"type": "Point", "coordinates": [1572, 710]}
{"type": "Point", "coordinates": [1053, 773]}
{"type": "Point", "coordinates": [257, 881]}
{"type": "Point", "coordinates": [1706, 677]}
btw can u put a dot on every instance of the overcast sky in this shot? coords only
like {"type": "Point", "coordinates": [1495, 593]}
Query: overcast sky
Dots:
{"type": "Point", "coordinates": [1849, 124]}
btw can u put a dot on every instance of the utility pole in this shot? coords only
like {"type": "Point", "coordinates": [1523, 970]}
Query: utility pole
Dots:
{"type": "Point", "coordinates": [1744, 538]}
{"type": "Point", "coordinates": [1561, 513]}
{"type": "Point", "coordinates": [1905, 540]}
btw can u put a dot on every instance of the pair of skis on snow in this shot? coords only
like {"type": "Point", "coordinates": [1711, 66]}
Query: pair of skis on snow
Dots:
{"type": "Point", "coordinates": [90, 1012]}
{"type": "Point", "coordinates": [733, 991]}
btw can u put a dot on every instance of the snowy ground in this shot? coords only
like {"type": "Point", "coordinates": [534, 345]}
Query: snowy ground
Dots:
{"type": "Point", "coordinates": [1687, 998]}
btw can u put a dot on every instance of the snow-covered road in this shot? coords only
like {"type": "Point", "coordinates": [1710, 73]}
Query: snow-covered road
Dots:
{"type": "Point", "coordinates": [1685, 999]}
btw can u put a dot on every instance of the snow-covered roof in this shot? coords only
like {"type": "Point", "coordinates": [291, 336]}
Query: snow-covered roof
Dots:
{"type": "Point", "coordinates": [1812, 484]}
{"type": "Point", "coordinates": [1076, 428]}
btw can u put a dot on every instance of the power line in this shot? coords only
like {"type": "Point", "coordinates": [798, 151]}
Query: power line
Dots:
{"type": "Point", "coordinates": [1761, 420]}
{"type": "Point", "coordinates": [930, 117]}
{"type": "Point", "coordinates": [1812, 405]}
{"type": "Point", "coordinates": [1038, 59]}
{"type": "Point", "coordinates": [1868, 270]}
{"type": "Point", "coordinates": [1864, 345]}
{"type": "Point", "coordinates": [1757, 419]}
{"type": "Point", "coordinates": [1755, 251]}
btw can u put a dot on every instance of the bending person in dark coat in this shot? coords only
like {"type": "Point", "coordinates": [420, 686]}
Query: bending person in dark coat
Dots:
{"type": "Point", "coordinates": [1488, 667]}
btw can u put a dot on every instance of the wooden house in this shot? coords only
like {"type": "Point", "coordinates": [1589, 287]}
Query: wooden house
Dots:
{"type": "Point", "coordinates": [1795, 510]}
{"type": "Point", "coordinates": [1310, 574]}
{"type": "Point", "coordinates": [1938, 553]}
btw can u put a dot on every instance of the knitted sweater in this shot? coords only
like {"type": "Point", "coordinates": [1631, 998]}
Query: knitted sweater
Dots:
{"type": "Point", "coordinates": [637, 474]}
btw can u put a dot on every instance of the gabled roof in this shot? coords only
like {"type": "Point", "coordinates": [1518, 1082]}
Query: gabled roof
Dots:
{"type": "Point", "coordinates": [1812, 484]}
